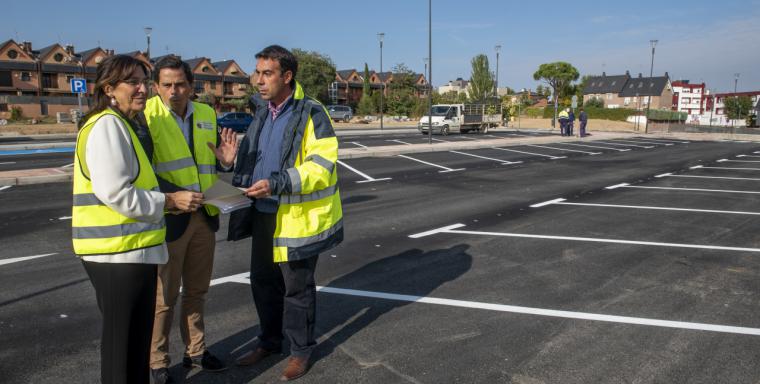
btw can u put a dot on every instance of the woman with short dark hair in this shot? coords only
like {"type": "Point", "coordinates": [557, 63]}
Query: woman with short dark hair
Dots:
{"type": "Point", "coordinates": [117, 218]}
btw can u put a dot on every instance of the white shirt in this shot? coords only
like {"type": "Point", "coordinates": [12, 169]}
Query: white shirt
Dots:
{"type": "Point", "coordinates": [113, 165]}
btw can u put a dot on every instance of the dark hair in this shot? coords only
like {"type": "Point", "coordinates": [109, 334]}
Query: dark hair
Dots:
{"type": "Point", "coordinates": [111, 71]}
{"type": "Point", "coordinates": [287, 60]}
{"type": "Point", "coordinates": [172, 62]}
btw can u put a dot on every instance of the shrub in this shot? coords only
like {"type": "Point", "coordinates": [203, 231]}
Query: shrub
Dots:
{"type": "Point", "coordinates": [594, 102]}
{"type": "Point", "coordinates": [16, 113]}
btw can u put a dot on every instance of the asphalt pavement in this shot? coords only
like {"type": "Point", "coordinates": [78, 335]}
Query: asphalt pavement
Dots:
{"type": "Point", "coordinates": [622, 260]}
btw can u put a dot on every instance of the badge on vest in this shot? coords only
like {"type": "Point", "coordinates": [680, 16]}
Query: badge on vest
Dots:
{"type": "Point", "coordinates": [205, 125]}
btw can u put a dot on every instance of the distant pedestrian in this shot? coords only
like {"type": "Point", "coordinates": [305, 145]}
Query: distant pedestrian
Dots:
{"type": "Point", "coordinates": [583, 119]}
{"type": "Point", "coordinates": [563, 118]}
{"type": "Point", "coordinates": [570, 122]}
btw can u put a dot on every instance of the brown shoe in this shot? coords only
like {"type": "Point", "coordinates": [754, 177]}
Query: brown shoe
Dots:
{"type": "Point", "coordinates": [253, 356]}
{"type": "Point", "coordinates": [297, 367]}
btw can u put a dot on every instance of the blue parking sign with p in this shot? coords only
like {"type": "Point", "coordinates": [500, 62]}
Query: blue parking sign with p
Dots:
{"type": "Point", "coordinates": [78, 86]}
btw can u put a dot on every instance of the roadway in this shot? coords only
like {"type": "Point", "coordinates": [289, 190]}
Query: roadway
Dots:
{"type": "Point", "coordinates": [631, 260]}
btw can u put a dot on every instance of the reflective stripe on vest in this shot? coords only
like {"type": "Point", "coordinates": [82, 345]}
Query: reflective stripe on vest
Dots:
{"type": "Point", "coordinates": [96, 228]}
{"type": "Point", "coordinates": [172, 158]}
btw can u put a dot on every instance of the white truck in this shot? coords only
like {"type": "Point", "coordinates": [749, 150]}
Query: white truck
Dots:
{"type": "Point", "coordinates": [461, 118]}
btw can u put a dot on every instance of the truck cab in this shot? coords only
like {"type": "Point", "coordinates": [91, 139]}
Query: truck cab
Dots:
{"type": "Point", "coordinates": [446, 118]}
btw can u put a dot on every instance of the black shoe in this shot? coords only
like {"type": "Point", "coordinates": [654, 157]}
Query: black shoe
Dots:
{"type": "Point", "coordinates": [207, 361]}
{"type": "Point", "coordinates": [161, 376]}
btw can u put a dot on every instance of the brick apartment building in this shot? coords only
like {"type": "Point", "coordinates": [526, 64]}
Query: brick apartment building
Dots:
{"type": "Point", "coordinates": [349, 83]}
{"type": "Point", "coordinates": [38, 81]}
{"type": "Point", "coordinates": [689, 98]}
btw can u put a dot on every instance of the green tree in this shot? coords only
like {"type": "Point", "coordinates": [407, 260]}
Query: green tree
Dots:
{"type": "Point", "coordinates": [738, 107]}
{"type": "Point", "coordinates": [558, 76]}
{"type": "Point", "coordinates": [594, 102]}
{"type": "Point", "coordinates": [481, 80]}
{"type": "Point", "coordinates": [401, 98]}
{"type": "Point", "coordinates": [366, 104]}
{"type": "Point", "coordinates": [315, 73]}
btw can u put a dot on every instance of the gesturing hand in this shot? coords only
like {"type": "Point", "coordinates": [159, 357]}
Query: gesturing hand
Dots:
{"type": "Point", "coordinates": [186, 201]}
{"type": "Point", "coordinates": [227, 148]}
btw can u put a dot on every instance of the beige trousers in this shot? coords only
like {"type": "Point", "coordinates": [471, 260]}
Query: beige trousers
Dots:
{"type": "Point", "coordinates": [191, 258]}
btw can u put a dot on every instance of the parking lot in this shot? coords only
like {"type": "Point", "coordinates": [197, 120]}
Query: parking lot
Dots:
{"type": "Point", "coordinates": [608, 261]}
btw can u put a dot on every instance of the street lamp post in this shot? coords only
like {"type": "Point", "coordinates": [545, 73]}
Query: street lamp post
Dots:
{"type": "Point", "coordinates": [736, 81]}
{"type": "Point", "coordinates": [430, 73]}
{"type": "Point", "coordinates": [380, 37]}
{"type": "Point", "coordinates": [148, 30]}
{"type": "Point", "coordinates": [496, 84]}
{"type": "Point", "coordinates": [651, 73]}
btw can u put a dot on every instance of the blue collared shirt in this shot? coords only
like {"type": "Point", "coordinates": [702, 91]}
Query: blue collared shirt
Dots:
{"type": "Point", "coordinates": [269, 151]}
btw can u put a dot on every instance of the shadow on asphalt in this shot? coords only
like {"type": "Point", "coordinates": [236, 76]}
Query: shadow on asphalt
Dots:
{"type": "Point", "coordinates": [414, 272]}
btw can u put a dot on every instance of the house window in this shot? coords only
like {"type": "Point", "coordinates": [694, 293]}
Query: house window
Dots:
{"type": "Point", "coordinates": [205, 69]}
{"type": "Point", "coordinates": [12, 54]}
{"type": "Point", "coordinates": [49, 80]}
{"type": "Point", "coordinates": [5, 79]}
{"type": "Point", "coordinates": [627, 101]}
{"type": "Point", "coordinates": [69, 78]}
{"type": "Point", "coordinates": [200, 86]}
{"type": "Point", "coordinates": [213, 84]}
{"type": "Point", "coordinates": [58, 57]}
{"type": "Point", "coordinates": [641, 85]}
{"type": "Point", "coordinates": [26, 76]}
{"type": "Point", "coordinates": [609, 96]}
{"type": "Point", "coordinates": [3, 107]}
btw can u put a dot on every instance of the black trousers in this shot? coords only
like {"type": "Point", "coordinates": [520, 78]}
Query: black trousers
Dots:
{"type": "Point", "coordinates": [285, 293]}
{"type": "Point", "coordinates": [126, 296]}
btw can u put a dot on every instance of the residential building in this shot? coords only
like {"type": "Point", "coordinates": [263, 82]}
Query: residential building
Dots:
{"type": "Point", "coordinates": [607, 89]}
{"type": "Point", "coordinates": [624, 91]}
{"type": "Point", "coordinates": [38, 81]}
{"type": "Point", "coordinates": [689, 98]}
{"type": "Point", "coordinates": [348, 86]}
{"type": "Point", "coordinates": [459, 86]}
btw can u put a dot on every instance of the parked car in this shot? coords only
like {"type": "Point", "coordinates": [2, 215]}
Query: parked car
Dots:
{"type": "Point", "coordinates": [340, 112]}
{"type": "Point", "coordinates": [237, 121]}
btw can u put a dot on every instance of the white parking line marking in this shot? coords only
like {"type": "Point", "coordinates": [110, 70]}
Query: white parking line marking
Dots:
{"type": "Point", "coordinates": [683, 189]}
{"type": "Point", "coordinates": [243, 278]}
{"type": "Point", "coordinates": [594, 146]}
{"type": "Point", "coordinates": [25, 258]}
{"type": "Point", "coordinates": [738, 161]}
{"type": "Point", "coordinates": [357, 144]}
{"type": "Point", "coordinates": [67, 165]}
{"type": "Point", "coordinates": [498, 137]}
{"type": "Point", "coordinates": [449, 229]}
{"type": "Point", "coordinates": [562, 202]}
{"type": "Point", "coordinates": [663, 175]}
{"type": "Point", "coordinates": [756, 152]}
{"type": "Point", "coordinates": [563, 149]}
{"type": "Point", "coordinates": [728, 168]}
{"type": "Point", "coordinates": [400, 142]}
{"type": "Point", "coordinates": [547, 203]}
{"type": "Point", "coordinates": [466, 138]}
{"type": "Point", "coordinates": [624, 145]}
{"type": "Point", "coordinates": [640, 141]}
{"type": "Point", "coordinates": [530, 153]}
{"type": "Point", "coordinates": [616, 186]}
{"type": "Point", "coordinates": [746, 156]}
{"type": "Point", "coordinates": [367, 177]}
{"type": "Point", "coordinates": [445, 169]}
{"type": "Point", "coordinates": [711, 177]}
{"type": "Point", "coordinates": [64, 218]}
{"type": "Point", "coordinates": [670, 141]}
{"type": "Point", "coordinates": [503, 162]}
{"type": "Point", "coordinates": [4, 187]}
{"type": "Point", "coordinates": [442, 141]}
{"type": "Point", "coordinates": [7, 162]}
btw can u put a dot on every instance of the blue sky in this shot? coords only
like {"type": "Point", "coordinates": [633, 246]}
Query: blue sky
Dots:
{"type": "Point", "coordinates": [698, 40]}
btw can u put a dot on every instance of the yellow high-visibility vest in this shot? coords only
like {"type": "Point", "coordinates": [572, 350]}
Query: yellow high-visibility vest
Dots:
{"type": "Point", "coordinates": [172, 159]}
{"type": "Point", "coordinates": [98, 229]}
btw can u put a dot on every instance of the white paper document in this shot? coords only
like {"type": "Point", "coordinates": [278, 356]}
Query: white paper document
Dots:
{"type": "Point", "coordinates": [226, 197]}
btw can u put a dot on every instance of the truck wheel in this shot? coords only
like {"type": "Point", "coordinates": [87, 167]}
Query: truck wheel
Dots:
{"type": "Point", "coordinates": [445, 130]}
{"type": "Point", "coordinates": [484, 129]}
{"type": "Point", "coordinates": [347, 119]}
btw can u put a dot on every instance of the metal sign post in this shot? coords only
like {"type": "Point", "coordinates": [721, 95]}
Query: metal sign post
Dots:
{"type": "Point", "coordinates": [79, 86]}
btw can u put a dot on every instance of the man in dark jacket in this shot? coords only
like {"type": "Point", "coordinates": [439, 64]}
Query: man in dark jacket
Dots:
{"type": "Point", "coordinates": [287, 163]}
{"type": "Point", "coordinates": [583, 119]}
